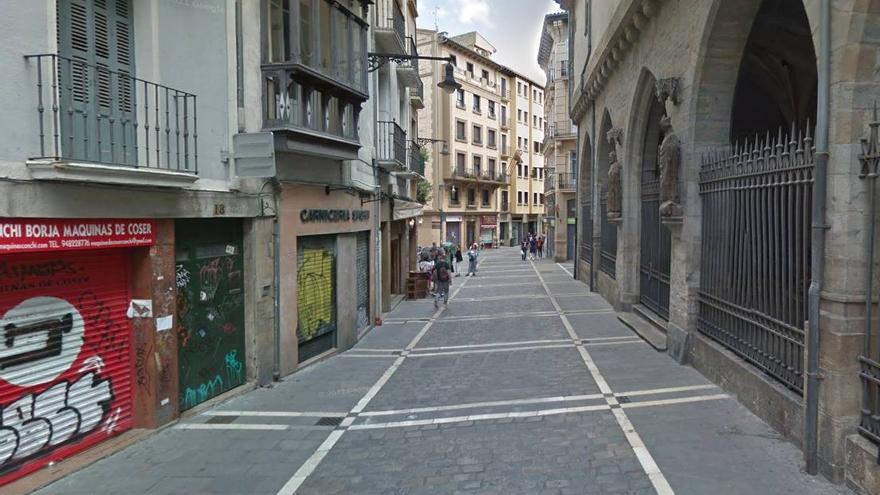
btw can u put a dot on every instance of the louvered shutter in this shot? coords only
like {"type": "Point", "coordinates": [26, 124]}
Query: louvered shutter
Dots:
{"type": "Point", "coordinates": [95, 41]}
{"type": "Point", "coordinates": [363, 279]}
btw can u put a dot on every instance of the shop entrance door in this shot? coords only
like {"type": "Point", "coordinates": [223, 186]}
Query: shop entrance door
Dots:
{"type": "Point", "coordinates": [316, 295]}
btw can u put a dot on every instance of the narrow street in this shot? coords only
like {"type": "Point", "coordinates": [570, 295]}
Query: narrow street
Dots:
{"type": "Point", "coordinates": [525, 383]}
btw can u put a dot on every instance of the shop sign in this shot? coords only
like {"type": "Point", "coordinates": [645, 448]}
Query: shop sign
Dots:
{"type": "Point", "coordinates": [571, 221]}
{"type": "Point", "coordinates": [453, 218]}
{"type": "Point", "coordinates": [34, 235]}
{"type": "Point", "coordinates": [488, 220]}
{"type": "Point", "coordinates": [332, 216]}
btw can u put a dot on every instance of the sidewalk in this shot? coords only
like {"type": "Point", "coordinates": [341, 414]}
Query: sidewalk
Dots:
{"type": "Point", "coordinates": [525, 383]}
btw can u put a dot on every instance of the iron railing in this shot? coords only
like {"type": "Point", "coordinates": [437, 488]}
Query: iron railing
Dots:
{"type": "Point", "coordinates": [587, 241]}
{"type": "Point", "coordinates": [608, 245]}
{"type": "Point", "coordinates": [391, 143]}
{"type": "Point", "coordinates": [390, 17]}
{"type": "Point", "coordinates": [755, 263]}
{"type": "Point", "coordinates": [566, 181]}
{"type": "Point", "coordinates": [411, 49]}
{"type": "Point", "coordinates": [416, 159]}
{"type": "Point", "coordinates": [92, 114]}
{"type": "Point", "coordinates": [480, 174]}
{"type": "Point", "coordinates": [869, 360]}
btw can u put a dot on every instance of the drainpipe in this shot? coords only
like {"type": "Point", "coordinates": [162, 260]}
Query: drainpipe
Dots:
{"type": "Point", "coordinates": [276, 269]}
{"type": "Point", "coordinates": [817, 262]}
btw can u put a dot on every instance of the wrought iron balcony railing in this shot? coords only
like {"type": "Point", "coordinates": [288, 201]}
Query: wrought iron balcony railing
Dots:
{"type": "Point", "coordinates": [391, 144]}
{"type": "Point", "coordinates": [480, 174]}
{"type": "Point", "coordinates": [416, 159]}
{"type": "Point", "coordinates": [390, 26]}
{"type": "Point", "coordinates": [565, 181]}
{"type": "Point", "coordinates": [89, 113]}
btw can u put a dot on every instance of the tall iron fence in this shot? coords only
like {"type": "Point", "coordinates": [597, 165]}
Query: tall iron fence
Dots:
{"type": "Point", "coordinates": [755, 268]}
{"type": "Point", "coordinates": [587, 239]}
{"type": "Point", "coordinates": [608, 245]}
{"type": "Point", "coordinates": [869, 360]}
{"type": "Point", "coordinates": [87, 112]}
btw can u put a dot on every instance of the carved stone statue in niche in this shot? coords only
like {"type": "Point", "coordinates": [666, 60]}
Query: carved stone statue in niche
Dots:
{"type": "Point", "coordinates": [614, 189]}
{"type": "Point", "coordinates": [670, 164]}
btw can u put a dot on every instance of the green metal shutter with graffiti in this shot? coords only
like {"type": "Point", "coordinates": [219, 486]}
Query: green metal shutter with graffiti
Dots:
{"type": "Point", "coordinates": [316, 295]}
{"type": "Point", "coordinates": [210, 309]}
{"type": "Point", "coordinates": [363, 280]}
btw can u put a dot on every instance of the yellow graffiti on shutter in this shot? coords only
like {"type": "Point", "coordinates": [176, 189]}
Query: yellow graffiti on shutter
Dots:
{"type": "Point", "coordinates": [315, 285]}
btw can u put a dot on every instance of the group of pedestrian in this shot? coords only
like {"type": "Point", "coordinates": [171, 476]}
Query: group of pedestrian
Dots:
{"type": "Point", "coordinates": [532, 247]}
{"type": "Point", "coordinates": [439, 263]}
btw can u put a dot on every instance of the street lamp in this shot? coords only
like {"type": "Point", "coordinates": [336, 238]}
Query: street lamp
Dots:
{"type": "Point", "coordinates": [448, 84]}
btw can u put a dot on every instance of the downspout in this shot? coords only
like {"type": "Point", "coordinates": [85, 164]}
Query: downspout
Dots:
{"type": "Point", "coordinates": [817, 262]}
{"type": "Point", "coordinates": [276, 268]}
{"type": "Point", "coordinates": [377, 203]}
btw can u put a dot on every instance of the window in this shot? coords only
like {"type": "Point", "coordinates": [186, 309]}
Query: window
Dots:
{"type": "Point", "coordinates": [534, 198]}
{"type": "Point", "coordinates": [492, 167]}
{"type": "Point", "coordinates": [519, 115]}
{"type": "Point", "coordinates": [485, 74]}
{"type": "Point", "coordinates": [573, 163]}
{"type": "Point", "coordinates": [472, 197]}
{"type": "Point", "coordinates": [491, 108]}
{"type": "Point", "coordinates": [453, 60]}
{"type": "Point", "coordinates": [525, 171]}
{"type": "Point", "coordinates": [478, 165]}
{"type": "Point", "coordinates": [459, 163]}
{"type": "Point", "coordinates": [470, 69]}
{"type": "Point", "coordinates": [490, 138]}
{"type": "Point", "coordinates": [541, 197]}
{"type": "Point", "coordinates": [526, 118]}
{"type": "Point", "coordinates": [504, 142]}
{"type": "Point", "coordinates": [518, 142]}
{"type": "Point", "coordinates": [519, 197]}
{"type": "Point", "coordinates": [453, 195]}
{"type": "Point", "coordinates": [535, 120]}
{"type": "Point", "coordinates": [459, 98]}
{"type": "Point", "coordinates": [485, 197]}
{"type": "Point", "coordinates": [518, 88]}
{"type": "Point", "coordinates": [537, 147]}
{"type": "Point", "coordinates": [460, 130]}
{"type": "Point", "coordinates": [477, 135]}
{"type": "Point", "coordinates": [525, 146]}
{"type": "Point", "coordinates": [503, 113]}
{"type": "Point", "coordinates": [476, 103]}
{"type": "Point", "coordinates": [279, 26]}
{"type": "Point", "coordinates": [519, 170]}
{"type": "Point", "coordinates": [535, 94]}
{"type": "Point", "coordinates": [503, 200]}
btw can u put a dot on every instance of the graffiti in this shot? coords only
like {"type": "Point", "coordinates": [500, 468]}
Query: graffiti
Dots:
{"type": "Point", "coordinates": [111, 338]}
{"type": "Point", "coordinates": [234, 367]}
{"type": "Point", "coordinates": [142, 375]}
{"type": "Point", "coordinates": [50, 268]}
{"type": "Point", "coordinates": [112, 421]}
{"type": "Point", "coordinates": [191, 397]}
{"type": "Point", "coordinates": [315, 297]}
{"type": "Point", "coordinates": [183, 276]}
{"type": "Point", "coordinates": [209, 280]}
{"type": "Point", "coordinates": [92, 363]}
{"type": "Point", "coordinates": [63, 412]}
{"type": "Point", "coordinates": [44, 330]}
{"type": "Point", "coordinates": [229, 328]}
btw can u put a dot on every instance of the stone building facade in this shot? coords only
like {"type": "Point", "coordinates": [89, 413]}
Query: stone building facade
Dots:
{"type": "Point", "coordinates": [704, 124]}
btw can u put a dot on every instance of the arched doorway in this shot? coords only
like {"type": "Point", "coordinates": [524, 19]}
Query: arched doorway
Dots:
{"type": "Point", "coordinates": [655, 246]}
{"type": "Point", "coordinates": [585, 174]}
{"type": "Point", "coordinates": [608, 233]}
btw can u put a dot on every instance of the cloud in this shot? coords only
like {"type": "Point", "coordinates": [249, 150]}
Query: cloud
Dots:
{"type": "Point", "coordinates": [476, 11]}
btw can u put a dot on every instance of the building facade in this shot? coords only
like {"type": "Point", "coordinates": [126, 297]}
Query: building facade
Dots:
{"type": "Point", "coordinates": [560, 142]}
{"type": "Point", "coordinates": [474, 155]}
{"type": "Point", "coordinates": [720, 165]}
{"type": "Point", "coordinates": [170, 233]}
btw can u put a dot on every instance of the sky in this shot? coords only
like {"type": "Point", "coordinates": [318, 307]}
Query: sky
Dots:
{"type": "Point", "coordinates": [512, 26]}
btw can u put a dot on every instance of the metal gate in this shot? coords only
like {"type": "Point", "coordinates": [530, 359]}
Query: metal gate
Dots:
{"type": "Point", "coordinates": [608, 248]}
{"type": "Point", "coordinates": [210, 309]}
{"type": "Point", "coordinates": [65, 362]}
{"type": "Point", "coordinates": [755, 263]}
{"type": "Point", "coordinates": [587, 231]}
{"type": "Point", "coordinates": [316, 295]}
{"type": "Point", "coordinates": [655, 246]}
{"type": "Point", "coordinates": [363, 280]}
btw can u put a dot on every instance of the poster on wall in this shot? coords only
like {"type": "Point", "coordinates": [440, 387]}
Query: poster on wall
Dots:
{"type": "Point", "coordinates": [65, 356]}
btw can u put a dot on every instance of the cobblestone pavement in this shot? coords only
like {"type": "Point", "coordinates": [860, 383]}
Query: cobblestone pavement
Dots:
{"type": "Point", "coordinates": [525, 383]}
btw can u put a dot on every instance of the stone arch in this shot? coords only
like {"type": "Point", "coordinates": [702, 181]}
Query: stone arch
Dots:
{"type": "Point", "coordinates": [585, 202]}
{"type": "Point", "coordinates": [606, 254]}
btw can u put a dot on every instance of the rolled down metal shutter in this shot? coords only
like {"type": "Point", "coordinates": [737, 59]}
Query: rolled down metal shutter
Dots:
{"type": "Point", "coordinates": [363, 279]}
{"type": "Point", "coordinates": [316, 295]}
{"type": "Point", "coordinates": [65, 355]}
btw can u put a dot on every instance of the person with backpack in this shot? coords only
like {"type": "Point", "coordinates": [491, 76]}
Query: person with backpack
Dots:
{"type": "Point", "coordinates": [442, 279]}
{"type": "Point", "coordinates": [458, 260]}
{"type": "Point", "coordinates": [533, 247]}
{"type": "Point", "coordinates": [472, 261]}
{"type": "Point", "coordinates": [540, 246]}
{"type": "Point", "coordinates": [524, 247]}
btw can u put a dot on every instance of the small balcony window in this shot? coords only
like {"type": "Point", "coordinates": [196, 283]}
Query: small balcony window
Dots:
{"type": "Point", "coordinates": [485, 198]}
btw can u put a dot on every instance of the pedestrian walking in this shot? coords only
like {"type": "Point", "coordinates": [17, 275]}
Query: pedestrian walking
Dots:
{"type": "Point", "coordinates": [442, 280]}
{"type": "Point", "coordinates": [524, 247]}
{"type": "Point", "coordinates": [458, 260]}
{"type": "Point", "coordinates": [540, 246]}
{"type": "Point", "coordinates": [533, 247]}
{"type": "Point", "coordinates": [472, 260]}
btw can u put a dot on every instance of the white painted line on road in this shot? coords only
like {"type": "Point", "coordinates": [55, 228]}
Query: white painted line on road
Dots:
{"type": "Point", "coordinates": [369, 349]}
{"type": "Point", "coordinates": [480, 417]}
{"type": "Point", "coordinates": [499, 317]}
{"type": "Point", "coordinates": [367, 355]}
{"type": "Point", "coordinates": [658, 480]}
{"type": "Point", "coordinates": [378, 385]}
{"type": "Point", "coordinates": [229, 426]}
{"type": "Point", "coordinates": [487, 351]}
{"type": "Point", "coordinates": [666, 390]}
{"type": "Point", "coordinates": [679, 400]}
{"type": "Point", "coordinates": [473, 405]}
{"type": "Point", "coordinates": [565, 270]}
{"type": "Point", "coordinates": [306, 469]}
{"type": "Point", "coordinates": [499, 344]}
{"type": "Point", "coordinates": [278, 414]}
{"type": "Point", "coordinates": [502, 298]}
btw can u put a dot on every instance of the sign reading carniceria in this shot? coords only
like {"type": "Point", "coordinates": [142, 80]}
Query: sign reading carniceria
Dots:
{"type": "Point", "coordinates": [325, 215]}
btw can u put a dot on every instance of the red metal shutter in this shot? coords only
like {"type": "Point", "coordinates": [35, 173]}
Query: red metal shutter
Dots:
{"type": "Point", "coordinates": [65, 355]}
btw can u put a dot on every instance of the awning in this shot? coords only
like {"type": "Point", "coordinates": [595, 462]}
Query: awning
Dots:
{"type": "Point", "coordinates": [406, 209]}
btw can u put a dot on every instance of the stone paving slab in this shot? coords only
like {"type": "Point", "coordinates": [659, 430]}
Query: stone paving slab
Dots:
{"type": "Point", "coordinates": [580, 453]}
{"type": "Point", "coordinates": [686, 441]}
{"type": "Point", "coordinates": [640, 366]}
{"type": "Point", "coordinates": [391, 335]}
{"type": "Point", "coordinates": [598, 325]}
{"type": "Point", "coordinates": [476, 332]}
{"type": "Point", "coordinates": [440, 380]}
{"type": "Point", "coordinates": [575, 302]}
{"type": "Point", "coordinates": [511, 289]}
{"type": "Point", "coordinates": [488, 308]}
